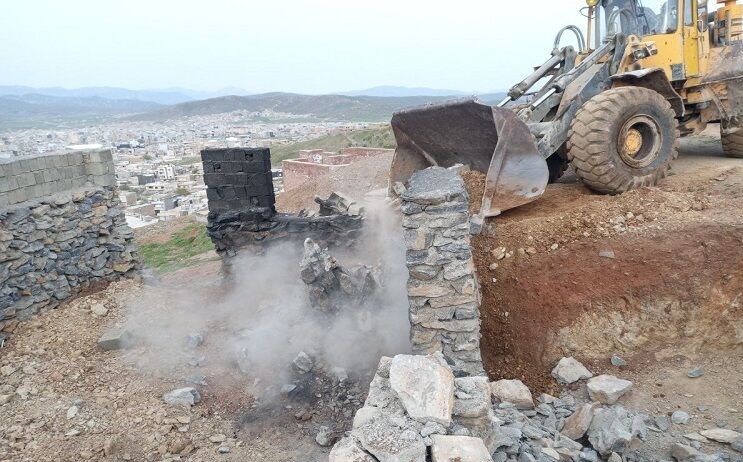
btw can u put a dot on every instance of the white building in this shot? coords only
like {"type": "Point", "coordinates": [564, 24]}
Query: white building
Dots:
{"type": "Point", "coordinates": [166, 172]}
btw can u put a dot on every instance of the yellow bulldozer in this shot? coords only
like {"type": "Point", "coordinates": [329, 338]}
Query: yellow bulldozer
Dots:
{"type": "Point", "coordinates": [613, 107]}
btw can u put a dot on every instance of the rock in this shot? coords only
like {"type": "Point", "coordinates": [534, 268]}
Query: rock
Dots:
{"type": "Point", "coordinates": [499, 253]}
{"type": "Point", "coordinates": [71, 412]}
{"type": "Point", "coordinates": [116, 339]}
{"type": "Point", "coordinates": [5, 399]}
{"type": "Point", "coordinates": [514, 392]}
{"type": "Point", "coordinates": [616, 361]}
{"type": "Point", "coordinates": [696, 372]}
{"type": "Point", "coordinates": [458, 449]}
{"type": "Point", "coordinates": [682, 452]}
{"type": "Point", "coordinates": [349, 450]}
{"type": "Point", "coordinates": [194, 340]}
{"type": "Point", "coordinates": [324, 437]}
{"type": "Point", "coordinates": [217, 438]}
{"type": "Point", "coordinates": [721, 435]}
{"type": "Point", "coordinates": [737, 444]}
{"type": "Point", "coordinates": [187, 396]}
{"type": "Point", "coordinates": [424, 386]}
{"type": "Point", "coordinates": [432, 428]}
{"type": "Point", "coordinates": [607, 389]}
{"type": "Point", "coordinates": [303, 363]}
{"type": "Point", "coordinates": [662, 422]}
{"type": "Point", "coordinates": [98, 309]}
{"type": "Point", "coordinates": [577, 424]}
{"type": "Point", "coordinates": [614, 457]}
{"type": "Point", "coordinates": [607, 254]}
{"type": "Point", "coordinates": [611, 430]}
{"type": "Point", "coordinates": [339, 374]}
{"type": "Point", "coordinates": [696, 437]}
{"type": "Point", "coordinates": [223, 450]}
{"type": "Point", "coordinates": [387, 442]}
{"type": "Point", "coordinates": [569, 370]}
{"type": "Point", "coordinates": [680, 417]}
{"type": "Point", "coordinates": [551, 453]}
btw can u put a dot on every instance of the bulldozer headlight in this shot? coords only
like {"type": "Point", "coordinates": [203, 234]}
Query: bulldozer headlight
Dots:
{"type": "Point", "coordinates": [592, 3]}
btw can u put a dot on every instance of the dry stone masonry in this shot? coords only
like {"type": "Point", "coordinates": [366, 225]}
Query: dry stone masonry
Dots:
{"type": "Point", "coordinates": [61, 229]}
{"type": "Point", "coordinates": [241, 205]}
{"type": "Point", "coordinates": [442, 289]}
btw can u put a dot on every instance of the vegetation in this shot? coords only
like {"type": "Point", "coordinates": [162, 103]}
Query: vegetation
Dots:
{"type": "Point", "coordinates": [181, 191]}
{"type": "Point", "coordinates": [178, 251]}
{"type": "Point", "coordinates": [378, 137]}
{"type": "Point", "coordinates": [188, 160]}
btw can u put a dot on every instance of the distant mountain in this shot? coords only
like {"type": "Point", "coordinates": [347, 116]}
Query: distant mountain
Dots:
{"type": "Point", "coordinates": [32, 110]}
{"type": "Point", "coordinates": [326, 107]}
{"type": "Point", "coordinates": [159, 96]}
{"type": "Point", "coordinates": [393, 91]}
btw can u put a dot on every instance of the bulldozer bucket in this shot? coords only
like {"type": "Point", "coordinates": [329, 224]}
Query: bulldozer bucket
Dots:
{"type": "Point", "coordinates": [488, 139]}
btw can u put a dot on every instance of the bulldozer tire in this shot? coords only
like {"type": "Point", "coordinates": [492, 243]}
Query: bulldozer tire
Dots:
{"type": "Point", "coordinates": [622, 139]}
{"type": "Point", "coordinates": [732, 144]}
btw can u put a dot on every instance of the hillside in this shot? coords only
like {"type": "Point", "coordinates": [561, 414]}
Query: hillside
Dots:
{"type": "Point", "coordinates": [379, 137]}
{"type": "Point", "coordinates": [322, 107]}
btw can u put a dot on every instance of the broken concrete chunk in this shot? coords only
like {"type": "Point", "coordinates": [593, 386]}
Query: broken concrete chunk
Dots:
{"type": "Point", "coordinates": [458, 448]}
{"type": "Point", "coordinates": [187, 397]}
{"type": "Point", "coordinates": [424, 386]}
{"type": "Point", "coordinates": [607, 389]}
{"type": "Point", "coordinates": [577, 424]}
{"type": "Point", "coordinates": [721, 435]}
{"type": "Point", "coordinates": [569, 370]}
{"type": "Point", "coordinates": [514, 392]}
{"type": "Point", "coordinates": [303, 363]}
{"type": "Point", "coordinates": [116, 339]}
{"type": "Point", "coordinates": [349, 450]}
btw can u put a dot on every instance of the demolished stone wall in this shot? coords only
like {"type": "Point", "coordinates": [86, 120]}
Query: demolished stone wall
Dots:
{"type": "Point", "coordinates": [241, 205]}
{"type": "Point", "coordinates": [62, 229]}
{"type": "Point", "coordinates": [442, 289]}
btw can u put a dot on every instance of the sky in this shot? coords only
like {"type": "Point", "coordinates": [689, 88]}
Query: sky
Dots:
{"type": "Point", "coordinates": [303, 46]}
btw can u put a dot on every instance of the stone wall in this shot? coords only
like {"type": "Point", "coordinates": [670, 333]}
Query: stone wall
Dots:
{"type": "Point", "coordinates": [241, 205]}
{"type": "Point", "coordinates": [61, 230]}
{"type": "Point", "coordinates": [442, 288]}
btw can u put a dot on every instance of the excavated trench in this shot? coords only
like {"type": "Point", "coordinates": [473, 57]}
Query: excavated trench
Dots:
{"type": "Point", "coordinates": [648, 274]}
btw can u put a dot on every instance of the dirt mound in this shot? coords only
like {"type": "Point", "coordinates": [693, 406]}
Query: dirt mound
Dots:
{"type": "Point", "coordinates": [590, 275]}
{"type": "Point", "coordinates": [355, 180]}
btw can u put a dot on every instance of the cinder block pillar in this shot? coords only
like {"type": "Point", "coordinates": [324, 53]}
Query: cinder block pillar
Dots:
{"type": "Point", "coordinates": [442, 287]}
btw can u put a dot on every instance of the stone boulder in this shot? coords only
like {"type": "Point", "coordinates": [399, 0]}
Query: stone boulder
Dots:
{"type": "Point", "coordinates": [424, 386]}
{"type": "Point", "coordinates": [349, 450]}
{"type": "Point", "coordinates": [577, 424]}
{"type": "Point", "coordinates": [514, 392]}
{"type": "Point", "coordinates": [387, 441]}
{"type": "Point", "coordinates": [458, 449]}
{"type": "Point", "coordinates": [721, 435]}
{"type": "Point", "coordinates": [612, 429]}
{"type": "Point", "coordinates": [569, 370]}
{"type": "Point", "coordinates": [607, 389]}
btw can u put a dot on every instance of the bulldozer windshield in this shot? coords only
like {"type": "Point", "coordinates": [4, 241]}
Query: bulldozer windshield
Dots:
{"type": "Point", "coordinates": [638, 17]}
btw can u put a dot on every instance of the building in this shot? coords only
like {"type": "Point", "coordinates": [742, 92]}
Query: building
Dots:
{"type": "Point", "coordinates": [312, 163]}
{"type": "Point", "coordinates": [166, 172]}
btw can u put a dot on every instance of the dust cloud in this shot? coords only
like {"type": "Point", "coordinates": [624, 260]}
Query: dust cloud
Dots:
{"type": "Point", "coordinates": [256, 321]}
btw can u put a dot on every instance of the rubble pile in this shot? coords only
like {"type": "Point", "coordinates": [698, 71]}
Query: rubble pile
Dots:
{"type": "Point", "coordinates": [417, 411]}
{"type": "Point", "coordinates": [331, 286]}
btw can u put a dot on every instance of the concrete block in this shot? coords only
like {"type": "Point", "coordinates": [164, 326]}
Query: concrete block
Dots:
{"type": "Point", "coordinates": [26, 179]}
{"type": "Point", "coordinates": [97, 168]}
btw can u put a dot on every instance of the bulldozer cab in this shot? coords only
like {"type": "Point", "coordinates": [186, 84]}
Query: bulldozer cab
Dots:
{"type": "Point", "coordinates": [676, 28]}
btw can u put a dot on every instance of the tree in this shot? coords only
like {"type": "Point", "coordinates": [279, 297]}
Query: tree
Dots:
{"type": "Point", "coordinates": [181, 191]}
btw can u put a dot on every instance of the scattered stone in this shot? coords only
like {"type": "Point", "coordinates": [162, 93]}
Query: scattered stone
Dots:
{"type": "Point", "coordinates": [607, 389]}
{"type": "Point", "coordinates": [514, 392]}
{"type": "Point", "coordinates": [662, 422]}
{"type": "Point", "coordinates": [303, 363]}
{"type": "Point", "coordinates": [721, 435]}
{"type": "Point", "coordinates": [217, 438]}
{"type": "Point", "coordinates": [187, 396]}
{"type": "Point", "coordinates": [577, 424]}
{"type": "Point", "coordinates": [680, 418]}
{"type": "Point", "coordinates": [116, 339]}
{"type": "Point", "coordinates": [612, 430]}
{"type": "Point", "coordinates": [425, 387]}
{"type": "Point", "coordinates": [71, 412]}
{"type": "Point", "coordinates": [737, 444]}
{"type": "Point", "coordinates": [223, 449]}
{"type": "Point", "coordinates": [499, 253]}
{"type": "Point", "coordinates": [349, 450]}
{"type": "Point", "coordinates": [459, 449]}
{"type": "Point", "coordinates": [99, 310]}
{"type": "Point", "coordinates": [569, 370]}
{"type": "Point", "coordinates": [607, 254]}
{"type": "Point", "coordinates": [696, 372]}
{"type": "Point", "coordinates": [324, 437]}
{"type": "Point", "coordinates": [387, 442]}
{"type": "Point", "coordinates": [432, 428]}
{"type": "Point", "coordinates": [682, 452]}
{"type": "Point", "coordinates": [696, 437]}
{"type": "Point", "coordinates": [616, 361]}
{"type": "Point", "coordinates": [194, 340]}
{"type": "Point", "coordinates": [551, 453]}
{"type": "Point", "coordinates": [614, 457]}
